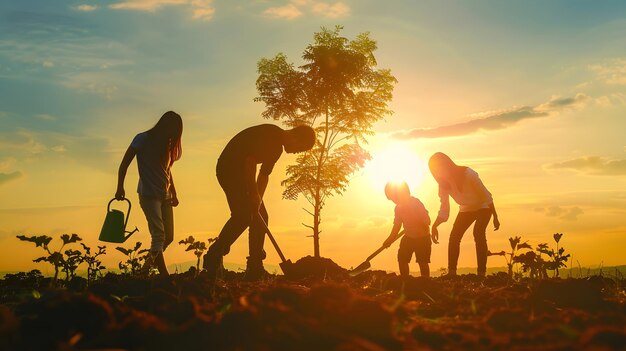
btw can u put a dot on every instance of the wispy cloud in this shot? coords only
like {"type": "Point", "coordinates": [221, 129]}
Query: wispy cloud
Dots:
{"type": "Point", "coordinates": [145, 5]}
{"type": "Point", "coordinates": [85, 8]}
{"type": "Point", "coordinates": [297, 8]}
{"type": "Point", "coordinates": [201, 9]}
{"type": "Point", "coordinates": [593, 165]}
{"type": "Point", "coordinates": [566, 214]}
{"type": "Point", "coordinates": [6, 177]}
{"type": "Point", "coordinates": [495, 120]}
{"type": "Point", "coordinates": [611, 71]}
{"type": "Point", "coordinates": [289, 11]}
{"type": "Point", "coordinates": [85, 150]}
{"type": "Point", "coordinates": [335, 10]}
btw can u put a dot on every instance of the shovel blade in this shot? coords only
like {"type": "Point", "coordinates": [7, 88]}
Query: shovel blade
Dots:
{"type": "Point", "coordinates": [360, 268]}
{"type": "Point", "coordinates": [286, 267]}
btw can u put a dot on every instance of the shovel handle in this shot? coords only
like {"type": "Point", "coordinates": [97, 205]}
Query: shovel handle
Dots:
{"type": "Point", "coordinates": [269, 235]}
{"type": "Point", "coordinates": [383, 248]}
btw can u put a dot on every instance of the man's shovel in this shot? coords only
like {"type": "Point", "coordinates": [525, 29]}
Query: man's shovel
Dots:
{"type": "Point", "coordinates": [286, 265]}
{"type": "Point", "coordinates": [366, 264]}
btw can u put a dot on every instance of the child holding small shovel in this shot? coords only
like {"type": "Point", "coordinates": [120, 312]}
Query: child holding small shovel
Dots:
{"type": "Point", "coordinates": [411, 214]}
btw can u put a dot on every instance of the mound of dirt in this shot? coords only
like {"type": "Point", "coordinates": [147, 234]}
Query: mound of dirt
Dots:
{"type": "Point", "coordinates": [317, 267]}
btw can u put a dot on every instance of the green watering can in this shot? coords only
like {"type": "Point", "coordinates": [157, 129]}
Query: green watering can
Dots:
{"type": "Point", "coordinates": [114, 227]}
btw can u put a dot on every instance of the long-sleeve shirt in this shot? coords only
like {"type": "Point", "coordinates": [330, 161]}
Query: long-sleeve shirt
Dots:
{"type": "Point", "coordinates": [471, 196]}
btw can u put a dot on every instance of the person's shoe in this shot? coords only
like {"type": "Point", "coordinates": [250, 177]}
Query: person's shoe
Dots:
{"type": "Point", "coordinates": [449, 275]}
{"type": "Point", "coordinates": [255, 271]}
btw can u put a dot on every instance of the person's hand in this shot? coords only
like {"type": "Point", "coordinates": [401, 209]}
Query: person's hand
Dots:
{"type": "Point", "coordinates": [387, 243]}
{"type": "Point", "coordinates": [435, 235]}
{"type": "Point", "coordinates": [120, 194]}
{"type": "Point", "coordinates": [174, 201]}
{"type": "Point", "coordinates": [496, 223]}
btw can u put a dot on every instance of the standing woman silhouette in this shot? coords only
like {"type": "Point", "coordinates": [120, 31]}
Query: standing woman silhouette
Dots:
{"type": "Point", "coordinates": [156, 150]}
{"type": "Point", "coordinates": [476, 205]}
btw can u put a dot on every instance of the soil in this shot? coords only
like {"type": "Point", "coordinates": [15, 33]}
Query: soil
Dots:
{"type": "Point", "coordinates": [320, 308]}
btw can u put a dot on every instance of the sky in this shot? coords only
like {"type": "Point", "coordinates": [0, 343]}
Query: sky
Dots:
{"type": "Point", "coordinates": [530, 94]}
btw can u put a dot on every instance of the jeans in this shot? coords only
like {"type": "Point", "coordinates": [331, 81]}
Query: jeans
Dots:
{"type": "Point", "coordinates": [461, 223]}
{"type": "Point", "coordinates": [240, 218]}
{"type": "Point", "coordinates": [160, 217]}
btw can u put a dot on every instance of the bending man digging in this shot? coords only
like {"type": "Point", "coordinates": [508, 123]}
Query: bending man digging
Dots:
{"type": "Point", "coordinates": [236, 174]}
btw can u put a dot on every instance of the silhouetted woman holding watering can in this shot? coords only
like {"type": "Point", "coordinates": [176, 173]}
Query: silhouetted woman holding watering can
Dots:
{"type": "Point", "coordinates": [156, 151]}
{"type": "Point", "coordinates": [476, 206]}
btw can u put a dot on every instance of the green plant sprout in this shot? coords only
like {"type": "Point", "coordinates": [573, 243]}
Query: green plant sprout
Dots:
{"type": "Point", "coordinates": [94, 265]}
{"type": "Point", "coordinates": [134, 259]}
{"type": "Point", "coordinates": [558, 256]}
{"type": "Point", "coordinates": [198, 247]}
{"type": "Point", "coordinates": [68, 263]}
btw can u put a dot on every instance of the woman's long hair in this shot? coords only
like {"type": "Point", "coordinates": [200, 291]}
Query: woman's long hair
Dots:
{"type": "Point", "coordinates": [166, 137]}
{"type": "Point", "coordinates": [444, 169]}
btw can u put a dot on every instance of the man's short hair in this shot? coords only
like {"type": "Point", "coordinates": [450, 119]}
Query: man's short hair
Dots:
{"type": "Point", "coordinates": [394, 189]}
{"type": "Point", "coordinates": [306, 135]}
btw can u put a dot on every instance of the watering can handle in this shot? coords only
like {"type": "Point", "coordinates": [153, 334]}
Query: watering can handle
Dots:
{"type": "Point", "coordinates": [127, 212]}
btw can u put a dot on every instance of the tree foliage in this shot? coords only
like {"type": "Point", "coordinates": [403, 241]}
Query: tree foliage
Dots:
{"type": "Point", "coordinates": [338, 91]}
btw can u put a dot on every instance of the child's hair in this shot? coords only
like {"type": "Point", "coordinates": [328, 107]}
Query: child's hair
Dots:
{"type": "Point", "coordinates": [393, 190]}
{"type": "Point", "coordinates": [166, 136]}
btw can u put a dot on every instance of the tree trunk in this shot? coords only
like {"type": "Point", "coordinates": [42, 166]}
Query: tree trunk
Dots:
{"type": "Point", "coordinates": [318, 196]}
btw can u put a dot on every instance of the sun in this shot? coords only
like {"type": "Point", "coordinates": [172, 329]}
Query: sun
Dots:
{"type": "Point", "coordinates": [396, 163]}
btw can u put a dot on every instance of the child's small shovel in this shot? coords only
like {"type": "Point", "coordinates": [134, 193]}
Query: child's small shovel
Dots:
{"type": "Point", "coordinates": [114, 227]}
{"type": "Point", "coordinates": [366, 264]}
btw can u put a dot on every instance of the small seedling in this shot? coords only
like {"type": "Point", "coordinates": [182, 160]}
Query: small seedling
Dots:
{"type": "Point", "coordinates": [558, 256]}
{"type": "Point", "coordinates": [134, 259]}
{"type": "Point", "coordinates": [198, 247]}
{"type": "Point", "coordinates": [94, 265]}
{"type": "Point", "coordinates": [67, 263]}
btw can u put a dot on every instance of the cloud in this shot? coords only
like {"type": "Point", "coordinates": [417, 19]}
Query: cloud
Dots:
{"type": "Point", "coordinates": [6, 177]}
{"type": "Point", "coordinates": [611, 71]}
{"type": "Point", "coordinates": [201, 9]}
{"type": "Point", "coordinates": [296, 8]}
{"type": "Point", "coordinates": [86, 8]}
{"type": "Point", "coordinates": [86, 150]}
{"type": "Point", "coordinates": [566, 214]}
{"type": "Point", "coordinates": [93, 83]}
{"type": "Point", "coordinates": [289, 11]}
{"type": "Point", "coordinates": [22, 142]}
{"type": "Point", "coordinates": [496, 120]}
{"type": "Point", "coordinates": [613, 99]}
{"type": "Point", "coordinates": [335, 10]}
{"type": "Point", "coordinates": [145, 5]}
{"type": "Point", "coordinates": [592, 165]}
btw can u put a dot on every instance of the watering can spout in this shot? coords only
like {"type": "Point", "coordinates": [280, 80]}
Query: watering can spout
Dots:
{"type": "Point", "coordinates": [114, 227]}
{"type": "Point", "coordinates": [130, 233]}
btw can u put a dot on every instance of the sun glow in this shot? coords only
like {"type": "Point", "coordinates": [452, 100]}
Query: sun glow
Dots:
{"type": "Point", "coordinates": [396, 163]}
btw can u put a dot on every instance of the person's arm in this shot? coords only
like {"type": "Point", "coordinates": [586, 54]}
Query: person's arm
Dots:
{"type": "Point", "coordinates": [485, 195]}
{"type": "Point", "coordinates": [393, 235]}
{"type": "Point", "coordinates": [496, 221]}
{"type": "Point", "coordinates": [174, 200]}
{"type": "Point", "coordinates": [251, 184]}
{"type": "Point", "coordinates": [261, 184]}
{"type": "Point", "coordinates": [435, 231]}
{"type": "Point", "coordinates": [443, 215]}
{"type": "Point", "coordinates": [121, 173]}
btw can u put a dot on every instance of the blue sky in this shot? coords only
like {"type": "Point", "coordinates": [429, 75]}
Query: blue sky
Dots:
{"type": "Point", "coordinates": [78, 79]}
